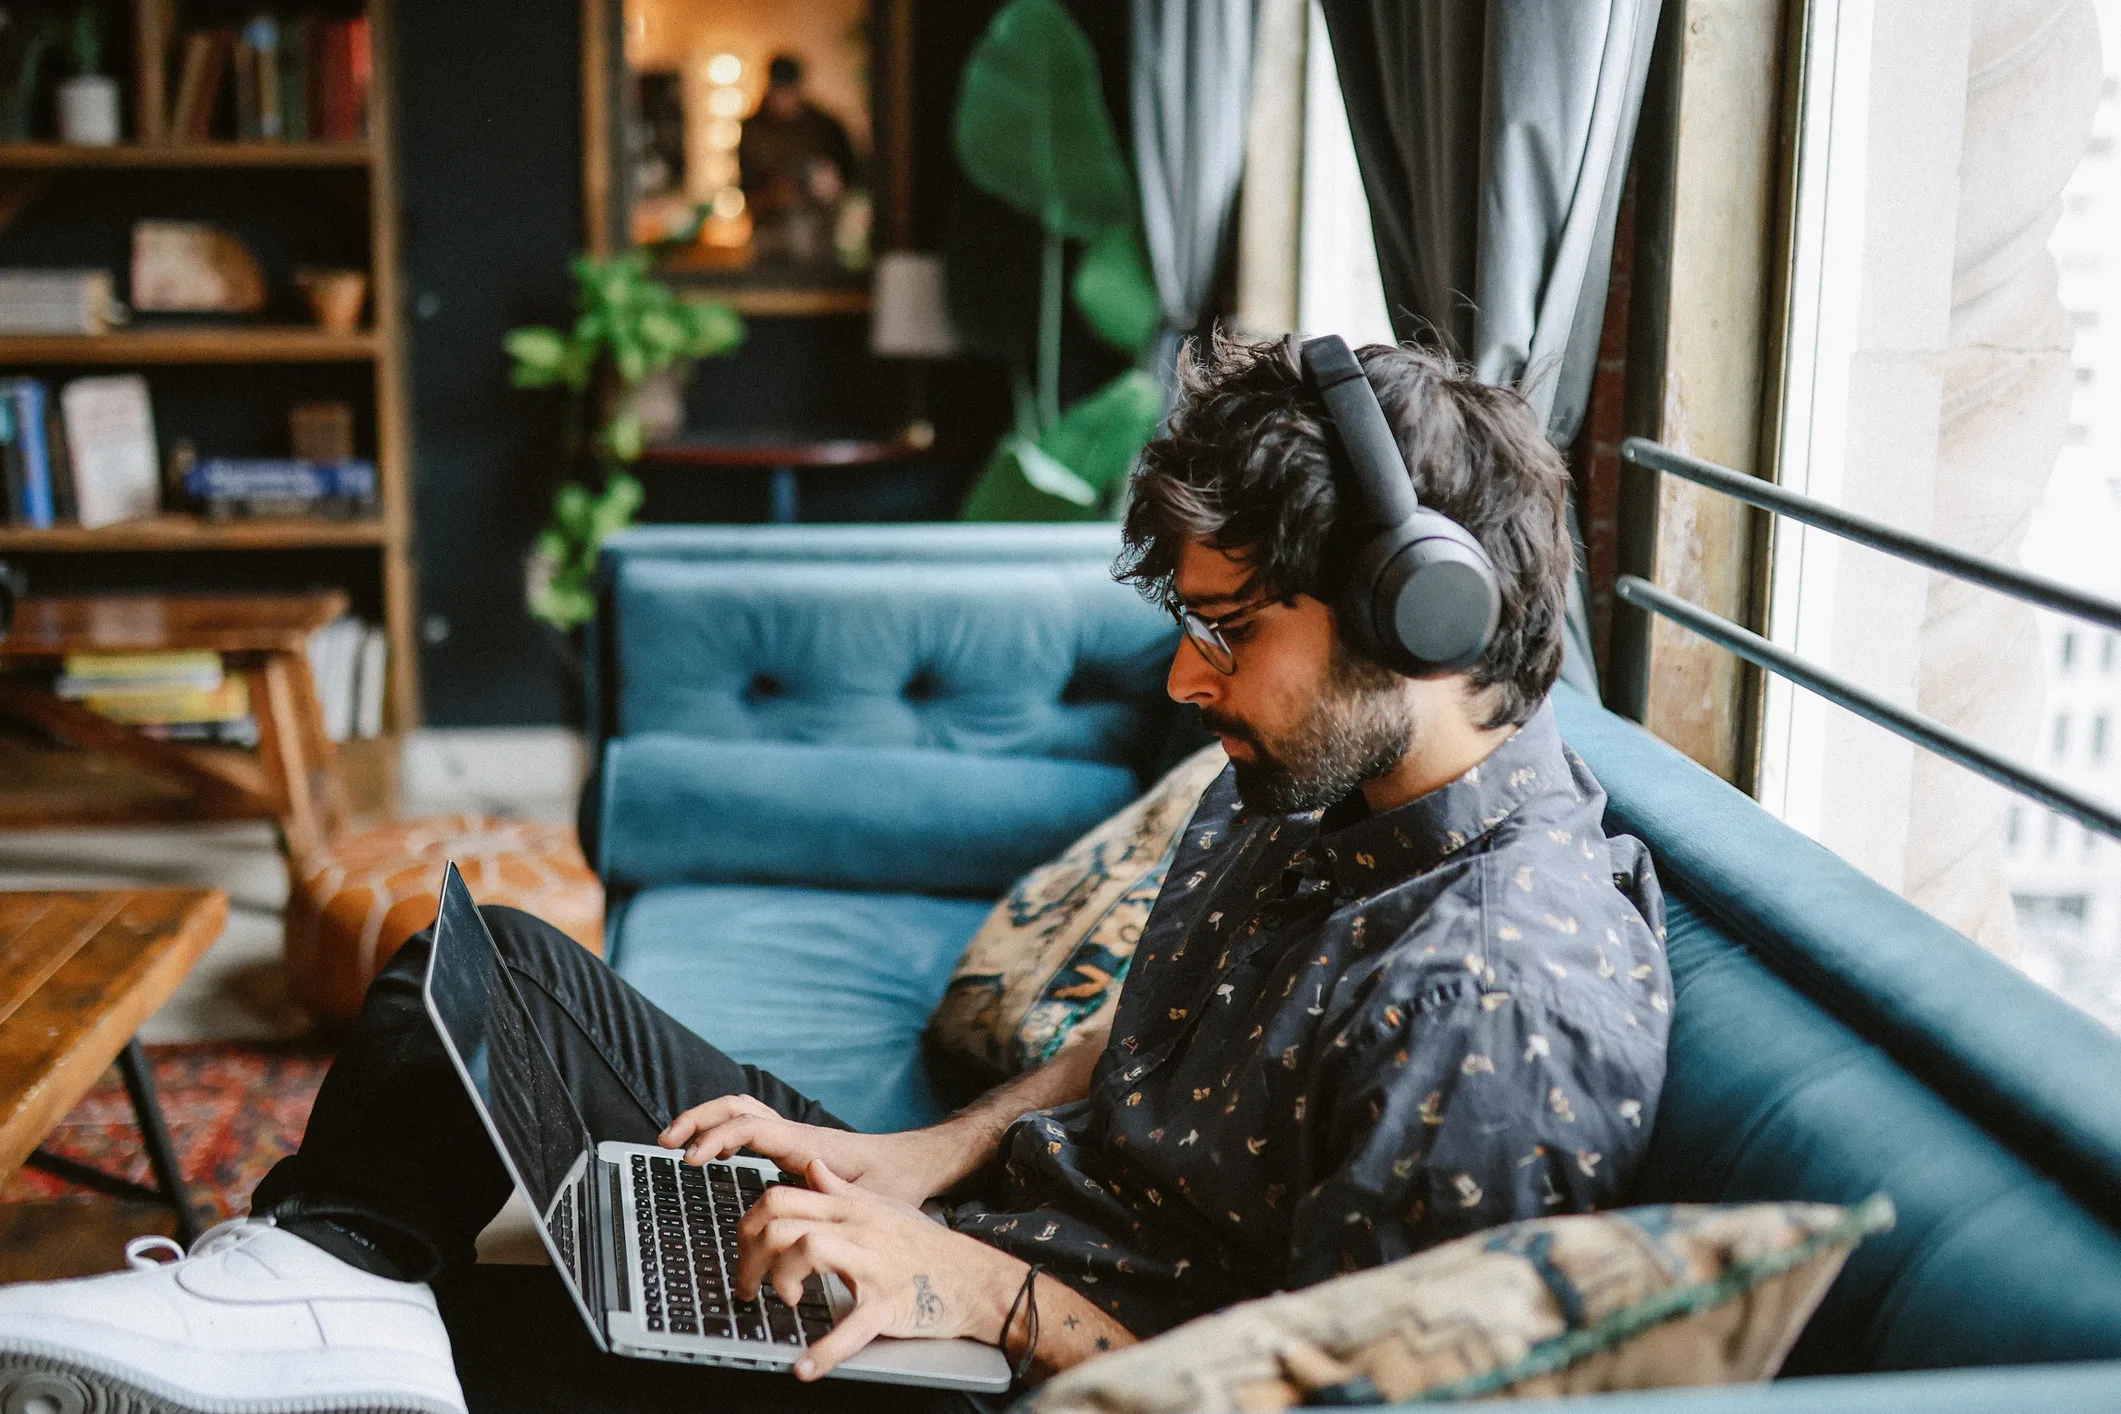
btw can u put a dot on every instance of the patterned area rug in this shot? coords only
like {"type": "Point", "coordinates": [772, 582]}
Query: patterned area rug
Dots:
{"type": "Point", "coordinates": [234, 1110]}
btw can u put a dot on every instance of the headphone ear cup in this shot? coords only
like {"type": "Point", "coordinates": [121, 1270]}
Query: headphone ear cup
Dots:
{"type": "Point", "coordinates": [1423, 597]}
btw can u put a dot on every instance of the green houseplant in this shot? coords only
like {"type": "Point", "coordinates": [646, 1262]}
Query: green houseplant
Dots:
{"type": "Point", "coordinates": [1031, 131]}
{"type": "Point", "coordinates": [629, 327]}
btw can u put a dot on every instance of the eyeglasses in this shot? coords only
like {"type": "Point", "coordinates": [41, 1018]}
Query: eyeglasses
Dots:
{"type": "Point", "coordinates": [1206, 634]}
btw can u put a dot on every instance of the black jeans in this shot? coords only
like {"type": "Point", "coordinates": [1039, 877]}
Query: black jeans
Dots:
{"type": "Point", "coordinates": [395, 1151]}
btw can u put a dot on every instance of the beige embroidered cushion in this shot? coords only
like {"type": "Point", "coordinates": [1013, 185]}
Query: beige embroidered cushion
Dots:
{"type": "Point", "coordinates": [1641, 1298]}
{"type": "Point", "coordinates": [1051, 957]}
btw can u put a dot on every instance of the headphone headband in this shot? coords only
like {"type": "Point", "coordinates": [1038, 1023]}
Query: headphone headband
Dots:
{"type": "Point", "coordinates": [1421, 593]}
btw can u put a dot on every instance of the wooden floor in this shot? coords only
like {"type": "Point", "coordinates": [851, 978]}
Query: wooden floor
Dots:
{"type": "Point", "coordinates": [73, 1237]}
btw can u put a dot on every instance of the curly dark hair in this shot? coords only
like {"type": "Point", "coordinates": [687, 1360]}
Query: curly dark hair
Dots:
{"type": "Point", "coordinates": [1246, 466]}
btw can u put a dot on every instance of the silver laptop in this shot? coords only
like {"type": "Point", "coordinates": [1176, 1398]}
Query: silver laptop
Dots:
{"type": "Point", "coordinates": [645, 1243]}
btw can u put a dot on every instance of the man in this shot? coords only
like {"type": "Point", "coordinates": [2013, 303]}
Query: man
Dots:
{"type": "Point", "coordinates": [1399, 985]}
{"type": "Point", "coordinates": [794, 163]}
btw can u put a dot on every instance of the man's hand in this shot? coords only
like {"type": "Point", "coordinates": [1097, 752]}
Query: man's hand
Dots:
{"type": "Point", "coordinates": [910, 1276]}
{"type": "Point", "coordinates": [906, 1168]}
{"type": "Point", "coordinates": [911, 1167]}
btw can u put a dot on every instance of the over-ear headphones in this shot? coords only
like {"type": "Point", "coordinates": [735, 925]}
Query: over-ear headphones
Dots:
{"type": "Point", "coordinates": [1421, 594]}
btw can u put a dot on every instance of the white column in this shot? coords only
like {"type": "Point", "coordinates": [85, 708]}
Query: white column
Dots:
{"type": "Point", "coordinates": [2032, 82]}
{"type": "Point", "coordinates": [1928, 388]}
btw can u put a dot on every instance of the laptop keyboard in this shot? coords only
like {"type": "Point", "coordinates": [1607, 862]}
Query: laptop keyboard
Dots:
{"type": "Point", "coordinates": [686, 1219]}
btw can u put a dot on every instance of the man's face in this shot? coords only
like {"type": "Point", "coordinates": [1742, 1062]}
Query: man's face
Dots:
{"type": "Point", "coordinates": [1304, 719]}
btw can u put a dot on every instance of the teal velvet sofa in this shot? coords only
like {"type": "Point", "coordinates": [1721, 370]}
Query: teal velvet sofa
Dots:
{"type": "Point", "coordinates": [821, 752]}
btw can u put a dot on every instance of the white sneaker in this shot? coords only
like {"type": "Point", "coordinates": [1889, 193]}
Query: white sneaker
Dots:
{"type": "Point", "coordinates": [254, 1321]}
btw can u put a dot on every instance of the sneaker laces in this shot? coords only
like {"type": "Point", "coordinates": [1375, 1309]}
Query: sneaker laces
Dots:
{"type": "Point", "coordinates": [220, 1235]}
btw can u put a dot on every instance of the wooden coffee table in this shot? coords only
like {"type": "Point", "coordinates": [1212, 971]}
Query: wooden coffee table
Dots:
{"type": "Point", "coordinates": [292, 779]}
{"type": "Point", "coordinates": [79, 972]}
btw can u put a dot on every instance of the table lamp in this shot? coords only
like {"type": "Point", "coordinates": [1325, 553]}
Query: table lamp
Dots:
{"type": "Point", "coordinates": [909, 318]}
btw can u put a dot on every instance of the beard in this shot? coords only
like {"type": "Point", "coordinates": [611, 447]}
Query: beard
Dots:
{"type": "Point", "coordinates": [1359, 727]}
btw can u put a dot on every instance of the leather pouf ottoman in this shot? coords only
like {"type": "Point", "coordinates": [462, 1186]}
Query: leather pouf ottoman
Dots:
{"type": "Point", "coordinates": [353, 903]}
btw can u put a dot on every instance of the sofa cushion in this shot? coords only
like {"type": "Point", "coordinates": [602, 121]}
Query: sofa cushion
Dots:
{"type": "Point", "coordinates": [828, 990]}
{"type": "Point", "coordinates": [1050, 960]}
{"type": "Point", "coordinates": [1643, 1298]}
{"type": "Point", "coordinates": [1041, 659]}
{"type": "Point", "coordinates": [693, 810]}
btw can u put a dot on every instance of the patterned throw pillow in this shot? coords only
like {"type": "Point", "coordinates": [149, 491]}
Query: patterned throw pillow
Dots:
{"type": "Point", "coordinates": [1052, 955]}
{"type": "Point", "coordinates": [1642, 1298]}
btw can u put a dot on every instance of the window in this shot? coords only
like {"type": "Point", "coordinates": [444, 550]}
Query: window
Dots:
{"type": "Point", "coordinates": [2098, 749]}
{"type": "Point", "coordinates": [2015, 828]}
{"type": "Point", "coordinates": [2061, 735]}
{"type": "Point", "coordinates": [2053, 841]}
{"type": "Point", "coordinates": [2109, 650]}
{"type": "Point", "coordinates": [2091, 842]}
{"type": "Point", "coordinates": [2068, 650]}
{"type": "Point", "coordinates": [2053, 908]}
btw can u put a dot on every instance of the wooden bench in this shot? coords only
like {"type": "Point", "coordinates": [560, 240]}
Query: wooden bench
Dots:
{"type": "Point", "coordinates": [79, 972]}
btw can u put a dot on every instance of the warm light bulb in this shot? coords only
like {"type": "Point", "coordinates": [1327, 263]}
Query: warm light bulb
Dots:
{"type": "Point", "coordinates": [724, 133]}
{"type": "Point", "coordinates": [729, 203]}
{"type": "Point", "coordinates": [724, 69]}
{"type": "Point", "coordinates": [727, 103]}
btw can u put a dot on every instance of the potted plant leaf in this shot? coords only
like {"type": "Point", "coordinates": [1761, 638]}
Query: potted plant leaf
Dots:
{"type": "Point", "coordinates": [629, 328]}
{"type": "Point", "coordinates": [1031, 132]}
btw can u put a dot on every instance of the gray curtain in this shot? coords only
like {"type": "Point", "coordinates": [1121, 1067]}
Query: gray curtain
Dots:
{"type": "Point", "coordinates": [1493, 138]}
{"type": "Point", "coordinates": [1192, 82]}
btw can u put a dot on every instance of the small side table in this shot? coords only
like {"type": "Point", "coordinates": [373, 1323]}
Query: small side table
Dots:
{"type": "Point", "coordinates": [782, 458]}
{"type": "Point", "coordinates": [294, 777]}
{"type": "Point", "coordinates": [79, 972]}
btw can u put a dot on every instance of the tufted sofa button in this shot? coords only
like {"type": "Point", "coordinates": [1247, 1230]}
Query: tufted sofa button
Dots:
{"type": "Point", "coordinates": [921, 687]}
{"type": "Point", "coordinates": [763, 686]}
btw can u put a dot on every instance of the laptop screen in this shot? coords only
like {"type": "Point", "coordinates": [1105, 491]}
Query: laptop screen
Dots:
{"type": "Point", "coordinates": [501, 1058]}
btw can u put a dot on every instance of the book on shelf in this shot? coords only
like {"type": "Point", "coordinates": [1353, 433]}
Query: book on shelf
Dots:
{"type": "Point", "coordinates": [86, 674]}
{"type": "Point", "coordinates": [57, 302]}
{"type": "Point", "coordinates": [110, 436]}
{"type": "Point", "coordinates": [287, 78]}
{"type": "Point", "coordinates": [25, 444]}
{"type": "Point", "coordinates": [171, 706]}
{"type": "Point", "coordinates": [281, 486]}
{"type": "Point", "coordinates": [349, 661]}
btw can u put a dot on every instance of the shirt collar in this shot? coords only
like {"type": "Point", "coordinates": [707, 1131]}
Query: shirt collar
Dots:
{"type": "Point", "coordinates": [1376, 851]}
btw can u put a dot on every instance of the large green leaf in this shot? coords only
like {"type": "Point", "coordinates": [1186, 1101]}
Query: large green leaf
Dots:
{"type": "Point", "coordinates": [1115, 293]}
{"type": "Point", "coordinates": [1031, 124]}
{"type": "Point", "coordinates": [1078, 469]}
{"type": "Point", "coordinates": [1099, 436]}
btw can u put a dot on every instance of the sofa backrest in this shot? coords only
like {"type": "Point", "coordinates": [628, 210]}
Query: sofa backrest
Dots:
{"type": "Point", "coordinates": [985, 646]}
{"type": "Point", "coordinates": [1831, 1040]}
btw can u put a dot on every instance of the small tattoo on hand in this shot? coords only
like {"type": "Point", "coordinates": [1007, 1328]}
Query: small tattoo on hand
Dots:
{"type": "Point", "coordinates": [1103, 1344]}
{"type": "Point", "coordinates": [927, 1303]}
{"type": "Point", "coordinates": [1071, 1323]}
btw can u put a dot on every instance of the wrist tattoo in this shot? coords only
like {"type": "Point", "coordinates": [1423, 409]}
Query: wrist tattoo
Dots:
{"type": "Point", "coordinates": [1103, 1343]}
{"type": "Point", "coordinates": [927, 1303]}
{"type": "Point", "coordinates": [1071, 1323]}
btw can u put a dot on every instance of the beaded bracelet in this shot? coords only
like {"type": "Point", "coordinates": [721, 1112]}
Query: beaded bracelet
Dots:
{"type": "Point", "coordinates": [1025, 1299]}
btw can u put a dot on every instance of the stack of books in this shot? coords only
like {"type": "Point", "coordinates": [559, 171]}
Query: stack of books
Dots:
{"type": "Point", "coordinates": [281, 486]}
{"type": "Point", "coordinates": [176, 696]}
{"type": "Point", "coordinates": [276, 79]}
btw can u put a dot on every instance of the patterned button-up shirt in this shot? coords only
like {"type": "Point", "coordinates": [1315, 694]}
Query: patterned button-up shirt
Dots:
{"type": "Point", "coordinates": [1346, 1037]}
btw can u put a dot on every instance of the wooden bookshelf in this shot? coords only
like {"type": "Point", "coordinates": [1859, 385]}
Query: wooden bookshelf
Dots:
{"type": "Point", "coordinates": [214, 343]}
{"type": "Point", "coordinates": [183, 532]}
{"type": "Point", "coordinates": [30, 171]}
{"type": "Point", "coordinates": [60, 156]}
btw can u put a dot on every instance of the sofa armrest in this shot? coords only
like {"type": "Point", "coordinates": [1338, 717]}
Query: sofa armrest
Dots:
{"type": "Point", "coordinates": [2017, 1389]}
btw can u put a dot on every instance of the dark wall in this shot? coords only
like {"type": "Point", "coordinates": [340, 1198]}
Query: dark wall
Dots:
{"type": "Point", "coordinates": [490, 156]}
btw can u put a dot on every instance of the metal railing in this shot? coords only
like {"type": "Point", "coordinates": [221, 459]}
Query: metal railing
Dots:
{"type": "Point", "coordinates": [1924, 731]}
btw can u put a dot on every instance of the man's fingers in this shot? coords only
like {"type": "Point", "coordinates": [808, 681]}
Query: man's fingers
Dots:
{"type": "Point", "coordinates": [760, 1248]}
{"type": "Point", "coordinates": [730, 1136]}
{"type": "Point", "coordinates": [707, 1116]}
{"type": "Point", "coordinates": [820, 1176]}
{"type": "Point", "coordinates": [855, 1330]}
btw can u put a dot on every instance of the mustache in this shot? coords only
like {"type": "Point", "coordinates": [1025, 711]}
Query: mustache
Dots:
{"type": "Point", "coordinates": [1229, 726]}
